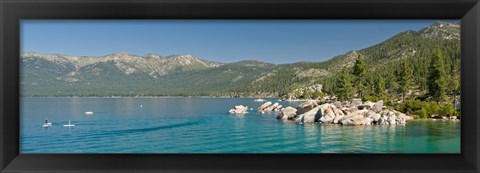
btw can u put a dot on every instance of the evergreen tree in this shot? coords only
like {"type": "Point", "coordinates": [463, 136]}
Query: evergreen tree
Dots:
{"type": "Point", "coordinates": [391, 82]}
{"type": "Point", "coordinates": [344, 88]}
{"type": "Point", "coordinates": [360, 70]}
{"type": "Point", "coordinates": [380, 88]}
{"type": "Point", "coordinates": [454, 85]}
{"type": "Point", "coordinates": [405, 79]}
{"type": "Point", "coordinates": [437, 84]}
{"type": "Point", "coordinates": [391, 85]}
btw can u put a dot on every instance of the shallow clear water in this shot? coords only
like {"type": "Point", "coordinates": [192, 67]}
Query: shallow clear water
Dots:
{"type": "Point", "coordinates": [202, 125]}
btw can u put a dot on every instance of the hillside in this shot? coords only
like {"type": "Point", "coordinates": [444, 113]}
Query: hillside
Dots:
{"type": "Point", "coordinates": [122, 74]}
{"type": "Point", "coordinates": [414, 48]}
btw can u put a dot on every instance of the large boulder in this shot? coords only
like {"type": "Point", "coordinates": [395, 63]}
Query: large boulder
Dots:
{"type": "Point", "coordinates": [339, 114]}
{"type": "Point", "coordinates": [354, 119]}
{"type": "Point", "coordinates": [377, 107]}
{"type": "Point", "coordinates": [239, 109]}
{"type": "Point", "coordinates": [264, 105]}
{"type": "Point", "coordinates": [328, 115]}
{"type": "Point", "coordinates": [287, 114]}
{"type": "Point", "coordinates": [306, 106]}
{"type": "Point", "coordinates": [311, 116]}
{"type": "Point", "coordinates": [272, 107]}
{"type": "Point", "coordinates": [375, 117]}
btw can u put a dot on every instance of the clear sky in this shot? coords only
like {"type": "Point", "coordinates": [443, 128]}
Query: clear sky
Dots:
{"type": "Point", "coordinates": [274, 41]}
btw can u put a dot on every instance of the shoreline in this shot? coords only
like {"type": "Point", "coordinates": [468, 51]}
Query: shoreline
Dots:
{"type": "Point", "coordinates": [206, 97]}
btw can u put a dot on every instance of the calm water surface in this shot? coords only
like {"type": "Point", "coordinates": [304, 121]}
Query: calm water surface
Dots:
{"type": "Point", "coordinates": [202, 125]}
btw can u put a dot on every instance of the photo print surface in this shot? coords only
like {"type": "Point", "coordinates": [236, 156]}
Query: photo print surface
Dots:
{"type": "Point", "coordinates": [240, 86]}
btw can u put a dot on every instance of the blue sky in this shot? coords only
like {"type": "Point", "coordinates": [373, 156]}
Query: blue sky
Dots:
{"type": "Point", "coordinates": [274, 41]}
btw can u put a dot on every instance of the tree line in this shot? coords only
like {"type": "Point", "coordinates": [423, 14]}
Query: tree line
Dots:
{"type": "Point", "coordinates": [402, 80]}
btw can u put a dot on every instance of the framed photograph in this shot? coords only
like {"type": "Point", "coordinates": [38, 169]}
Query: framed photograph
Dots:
{"type": "Point", "coordinates": [239, 86]}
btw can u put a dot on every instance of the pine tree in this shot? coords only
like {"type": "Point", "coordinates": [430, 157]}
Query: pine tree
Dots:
{"type": "Point", "coordinates": [405, 79]}
{"type": "Point", "coordinates": [454, 85]}
{"type": "Point", "coordinates": [380, 88]}
{"type": "Point", "coordinates": [391, 82]}
{"type": "Point", "coordinates": [344, 85]}
{"type": "Point", "coordinates": [437, 84]}
{"type": "Point", "coordinates": [360, 70]}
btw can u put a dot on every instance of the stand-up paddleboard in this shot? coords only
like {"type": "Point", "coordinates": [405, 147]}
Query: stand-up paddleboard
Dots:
{"type": "Point", "coordinates": [69, 124]}
{"type": "Point", "coordinates": [47, 124]}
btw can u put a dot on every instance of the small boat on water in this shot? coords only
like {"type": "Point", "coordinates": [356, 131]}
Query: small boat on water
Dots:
{"type": "Point", "coordinates": [89, 113]}
{"type": "Point", "coordinates": [47, 125]}
{"type": "Point", "coordinates": [69, 124]}
{"type": "Point", "coordinates": [259, 100]}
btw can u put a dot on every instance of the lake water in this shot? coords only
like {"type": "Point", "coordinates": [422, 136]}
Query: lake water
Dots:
{"type": "Point", "coordinates": [202, 125]}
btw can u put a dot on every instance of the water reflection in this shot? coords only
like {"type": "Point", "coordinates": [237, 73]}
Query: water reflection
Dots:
{"type": "Point", "coordinates": [311, 137]}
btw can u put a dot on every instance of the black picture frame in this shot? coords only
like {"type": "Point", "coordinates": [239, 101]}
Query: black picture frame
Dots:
{"type": "Point", "coordinates": [12, 11]}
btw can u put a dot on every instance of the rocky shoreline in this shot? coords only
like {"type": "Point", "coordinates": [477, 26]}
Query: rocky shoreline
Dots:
{"type": "Point", "coordinates": [345, 113]}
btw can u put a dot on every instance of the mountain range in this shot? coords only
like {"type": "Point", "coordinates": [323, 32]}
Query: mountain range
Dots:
{"type": "Point", "coordinates": [123, 74]}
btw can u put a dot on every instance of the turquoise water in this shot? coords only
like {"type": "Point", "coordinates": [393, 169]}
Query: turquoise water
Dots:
{"type": "Point", "coordinates": [202, 125]}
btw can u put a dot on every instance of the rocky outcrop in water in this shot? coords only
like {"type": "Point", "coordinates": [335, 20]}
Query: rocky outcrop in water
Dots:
{"type": "Point", "coordinates": [268, 107]}
{"type": "Point", "coordinates": [345, 113]}
{"type": "Point", "coordinates": [289, 113]}
{"type": "Point", "coordinates": [239, 109]}
{"type": "Point", "coordinates": [307, 106]}
{"type": "Point", "coordinates": [263, 106]}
